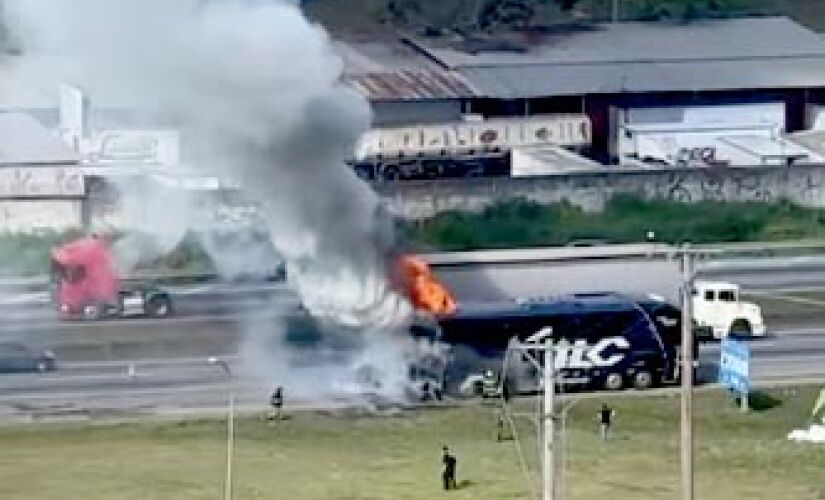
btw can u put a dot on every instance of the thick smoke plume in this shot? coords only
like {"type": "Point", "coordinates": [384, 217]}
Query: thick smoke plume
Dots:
{"type": "Point", "coordinates": [255, 89]}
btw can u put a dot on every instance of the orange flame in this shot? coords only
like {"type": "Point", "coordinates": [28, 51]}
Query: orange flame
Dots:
{"type": "Point", "coordinates": [422, 287]}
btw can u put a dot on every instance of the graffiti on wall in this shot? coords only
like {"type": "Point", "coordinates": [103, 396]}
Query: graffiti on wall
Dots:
{"type": "Point", "coordinates": [40, 182]}
{"type": "Point", "coordinates": [802, 184]}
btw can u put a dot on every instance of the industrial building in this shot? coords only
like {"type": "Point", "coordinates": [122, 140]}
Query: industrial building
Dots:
{"type": "Point", "coordinates": [622, 74]}
{"type": "Point", "coordinates": [42, 187]}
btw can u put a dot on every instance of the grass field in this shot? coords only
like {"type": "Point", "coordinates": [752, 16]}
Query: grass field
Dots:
{"type": "Point", "coordinates": [316, 456]}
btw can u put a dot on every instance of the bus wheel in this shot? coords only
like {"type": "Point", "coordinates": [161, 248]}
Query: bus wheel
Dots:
{"type": "Point", "coordinates": [643, 380]}
{"type": "Point", "coordinates": [613, 381]}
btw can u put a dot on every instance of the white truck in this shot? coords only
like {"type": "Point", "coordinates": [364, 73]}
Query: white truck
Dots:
{"type": "Point", "coordinates": [717, 308]}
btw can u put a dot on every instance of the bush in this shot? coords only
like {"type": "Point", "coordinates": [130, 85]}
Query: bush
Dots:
{"type": "Point", "coordinates": [522, 223]}
{"type": "Point", "coordinates": [29, 254]}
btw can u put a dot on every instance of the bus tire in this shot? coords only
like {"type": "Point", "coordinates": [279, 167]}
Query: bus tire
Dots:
{"type": "Point", "coordinates": [643, 379]}
{"type": "Point", "coordinates": [613, 381]}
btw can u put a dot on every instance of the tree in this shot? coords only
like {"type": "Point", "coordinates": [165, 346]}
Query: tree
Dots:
{"type": "Point", "coordinates": [468, 16]}
{"type": "Point", "coordinates": [688, 10]}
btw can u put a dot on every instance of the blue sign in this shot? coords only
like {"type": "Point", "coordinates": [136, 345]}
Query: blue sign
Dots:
{"type": "Point", "coordinates": [734, 365]}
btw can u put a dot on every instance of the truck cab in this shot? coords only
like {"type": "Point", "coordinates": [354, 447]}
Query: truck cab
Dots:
{"type": "Point", "coordinates": [718, 309]}
{"type": "Point", "coordinates": [87, 285]}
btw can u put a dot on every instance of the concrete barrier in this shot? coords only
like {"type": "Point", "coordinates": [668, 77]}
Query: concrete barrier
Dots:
{"type": "Point", "coordinates": [802, 184]}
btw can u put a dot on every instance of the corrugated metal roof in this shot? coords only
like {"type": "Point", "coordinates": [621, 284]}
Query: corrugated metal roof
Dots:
{"type": "Point", "coordinates": [650, 57]}
{"type": "Point", "coordinates": [652, 41]}
{"type": "Point", "coordinates": [608, 78]}
{"type": "Point", "coordinates": [410, 84]}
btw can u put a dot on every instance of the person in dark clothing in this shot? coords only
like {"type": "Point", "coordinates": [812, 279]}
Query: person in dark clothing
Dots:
{"type": "Point", "coordinates": [605, 420]}
{"type": "Point", "coordinates": [448, 472]}
{"type": "Point", "coordinates": [276, 402]}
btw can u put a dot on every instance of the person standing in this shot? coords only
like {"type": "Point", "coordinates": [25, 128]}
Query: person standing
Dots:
{"type": "Point", "coordinates": [276, 403]}
{"type": "Point", "coordinates": [448, 472]}
{"type": "Point", "coordinates": [606, 415]}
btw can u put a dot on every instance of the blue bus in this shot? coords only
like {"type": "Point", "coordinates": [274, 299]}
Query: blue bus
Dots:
{"type": "Point", "coordinates": [604, 340]}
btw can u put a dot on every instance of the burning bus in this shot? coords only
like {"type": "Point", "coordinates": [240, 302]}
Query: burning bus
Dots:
{"type": "Point", "coordinates": [87, 285]}
{"type": "Point", "coordinates": [604, 340]}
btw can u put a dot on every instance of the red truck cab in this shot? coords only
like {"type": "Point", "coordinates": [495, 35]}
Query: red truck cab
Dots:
{"type": "Point", "coordinates": [87, 284]}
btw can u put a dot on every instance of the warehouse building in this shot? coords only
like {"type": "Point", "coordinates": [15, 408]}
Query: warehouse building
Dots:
{"type": "Point", "coordinates": [624, 74]}
{"type": "Point", "coordinates": [41, 185]}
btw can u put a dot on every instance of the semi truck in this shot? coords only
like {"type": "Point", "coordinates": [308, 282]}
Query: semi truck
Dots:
{"type": "Point", "coordinates": [87, 285]}
{"type": "Point", "coordinates": [719, 312]}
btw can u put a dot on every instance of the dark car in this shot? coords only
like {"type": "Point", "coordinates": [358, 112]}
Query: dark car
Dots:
{"type": "Point", "coordinates": [16, 357]}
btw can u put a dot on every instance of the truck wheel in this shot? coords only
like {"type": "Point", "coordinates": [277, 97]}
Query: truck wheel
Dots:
{"type": "Point", "coordinates": [91, 311]}
{"type": "Point", "coordinates": [643, 380]}
{"type": "Point", "coordinates": [740, 328]}
{"type": "Point", "coordinates": [159, 307]}
{"type": "Point", "coordinates": [613, 381]}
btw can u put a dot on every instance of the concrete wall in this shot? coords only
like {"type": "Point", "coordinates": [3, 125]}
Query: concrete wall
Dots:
{"type": "Point", "coordinates": [28, 216]}
{"type": "Point", "coordinates": [801, 184]}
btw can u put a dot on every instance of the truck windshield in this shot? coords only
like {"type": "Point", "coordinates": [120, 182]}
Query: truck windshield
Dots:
{"type": "Point", "coordinates": [69, 274]}
{"type": "Point", "coordinates": [727, 296]}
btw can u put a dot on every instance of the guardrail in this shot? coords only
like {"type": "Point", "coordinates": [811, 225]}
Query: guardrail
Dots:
{"type": "Point", "coordinates": [40, 283]}
{"type": "Point", "coordinates": [721, 251]}
{"type": "Point", "coordinates": [549, 254]}
{"type": "Point", "coordinates": [619, 251]}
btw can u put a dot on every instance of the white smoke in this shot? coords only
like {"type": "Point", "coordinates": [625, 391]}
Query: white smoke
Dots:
{"type": "Point", "coordinates": [255, 89]}
{"type": "Point", "coordinates": [155, 220]}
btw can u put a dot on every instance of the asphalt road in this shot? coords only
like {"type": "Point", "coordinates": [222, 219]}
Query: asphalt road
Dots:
{"type": "Point", "coordinates": [173, 385]}
{"type": "Point", "coordinates": [169, 356]}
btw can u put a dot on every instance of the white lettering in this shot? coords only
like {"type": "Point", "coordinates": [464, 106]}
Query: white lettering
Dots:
{"type": "Point", "coordinates": [595, 354]}
{"type": "Point", "coordinates": [541, 335]}
{"type": "Point", "coordinates": [562, 356]}
{"type": "Point", "coordinates": [581, 356]}
{"type": "Point", "coordinates": [578, 353]}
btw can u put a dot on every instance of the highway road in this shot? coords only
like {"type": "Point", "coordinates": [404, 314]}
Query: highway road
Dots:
{"type": "Point", "coordinates": [214, 319]}
{"type": "Point", "coordinates": [176, 385]}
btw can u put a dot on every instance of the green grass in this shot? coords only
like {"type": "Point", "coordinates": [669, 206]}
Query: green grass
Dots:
{"type": "Point", "coordinates": [522, 223]}
{"type": "Point", "coordinates": [315, 456]}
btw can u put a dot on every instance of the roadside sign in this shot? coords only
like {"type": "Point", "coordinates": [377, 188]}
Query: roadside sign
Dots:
{"type": "Point", "coordinates": [734, 365]}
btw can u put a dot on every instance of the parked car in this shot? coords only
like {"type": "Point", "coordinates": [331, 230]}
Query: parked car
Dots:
{"type": "Point", "coordinates": [16, 357]}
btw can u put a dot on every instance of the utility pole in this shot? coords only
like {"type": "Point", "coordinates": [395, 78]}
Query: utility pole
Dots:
{"type": "Point", "coordinates": [686, 445]}
{"type": "Point", "coordinates": [230, 427]}
{"type": "Point", "coordinates": [549, 459]}
{"type": "Point", "coordinates": [542, 341]}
